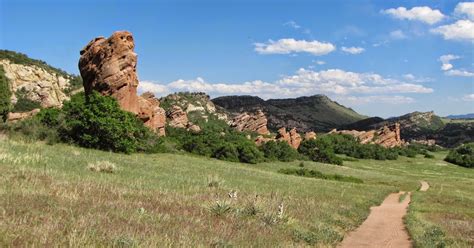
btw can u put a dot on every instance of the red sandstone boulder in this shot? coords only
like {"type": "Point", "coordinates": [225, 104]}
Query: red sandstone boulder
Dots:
{"type": "Point", "coordinates": [177, 117]}
{"type": "Point", "coordinates": [251, 122]}
{"type": "Point", "coordinates": [310, 135]}
{"type": "Point", "coordinates": [387, 136]}
{"type": "Point", "coordinates": [293, 138]}
{"type": "Point", "coordinates": [108, 66]}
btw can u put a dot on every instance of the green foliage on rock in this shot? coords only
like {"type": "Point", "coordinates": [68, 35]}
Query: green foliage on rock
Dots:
{"type": "Point", "coordinates": [463, 155]}
{"type": "Point", "coordinates": [279, 150]}
{"type": "Point", "coordinates": [5, 95]}
{"type": "Point", "coordinates": [23, 103]}
{"type": "Point", "coordinates": [23, 59]}
{"type": "Point", "coordinates": [97, 121]}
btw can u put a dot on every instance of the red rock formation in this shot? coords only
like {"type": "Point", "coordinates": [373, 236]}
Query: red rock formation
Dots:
{"type": "Point", "coordinates": [108, 66]}
{"type": "Point", "coordinates": [260, 140]}
{"type": "Point", "coordinates": [387, 136]}
{"type": "Point", "coordinates": [293, 138]}
{"type": "Point", "coordinates": [310, 135]}
{"type": "Point", "coordinates": [251, 122]}
{"type": "Point", "coordinates": [151, 114]}
{"type": "Point", "coordinates": [177, 117]}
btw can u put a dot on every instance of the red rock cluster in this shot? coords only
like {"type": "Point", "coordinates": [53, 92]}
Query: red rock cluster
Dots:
{"type": "Point", "coordinates": [108, 66]}
{"type": "Point", "coordinates": [387, 136]}
{"type": "Point", "coordinates": [251, 122]}
{"type": "Point", "coordinates": [293, 137]}
{"type": "Point", "coordinates": [179, 119]}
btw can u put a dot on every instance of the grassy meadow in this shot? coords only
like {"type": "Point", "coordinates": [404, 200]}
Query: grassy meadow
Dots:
{"type": "Point", "coordinates": [60, 195]}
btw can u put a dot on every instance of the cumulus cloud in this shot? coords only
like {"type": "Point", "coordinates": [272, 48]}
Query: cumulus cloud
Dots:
{"type": "Point", "coordinates": [459, 73]}
{"type": "Point", "coordinates": [412, 78]}
{"type": "Point", "coordinates": [398, 35]}
{"type": "Point", "coordinates": [303, 82]}
{"type": "Point", "coordinates": [461, 30]}
{"type": "Point", "coordinates": [395, 100]}
{"type": "Point", "coordinates": [424, 14]}
{"type": "Point", "coordinates": [287, 46]}
{"type": "Point", "coordinates": [465, 9]}
{"type": "Point", "coordinates": [445, 60]}
{"type": "Point", "coordinates": [353, 50]}
{"type": "Point", "coordinates": [469, 98]}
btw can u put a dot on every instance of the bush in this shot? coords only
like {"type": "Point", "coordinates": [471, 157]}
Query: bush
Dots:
{"type": "Point", "coordinates": [463, 156]}
{"type": "Point", "coordinates": [98, 122]}
{"type": "Point", "coordinates": [319, 151]}
{"type": "Point", "coordinates": [249, 154]}
{"type": "Point", "coordinates": [317, 174]}
{"type": "Point", "coordinates": [278, 150]}
{"type": "Point", "coordinates": [5, 95]}
{"type": "Point", "coordinates": [24, 104]}
{"type": "Point", "coordinates": [227, 152]}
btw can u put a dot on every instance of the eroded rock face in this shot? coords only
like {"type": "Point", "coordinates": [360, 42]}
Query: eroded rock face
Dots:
{"type": "Point", "coordinates": [293, 138]}
{"type": "Point", "coordinates": [387, 136]}
{"type": "Point", "coordinates": [108, 66]}
{"type": "Point", "coordinates": [251, 122]}
{"type": "Point", "coordinates": [151, 114]}
{"type": "Point", "coordinates": [42, 86]}
{"type": "Point", "coordinates": [177, 117]}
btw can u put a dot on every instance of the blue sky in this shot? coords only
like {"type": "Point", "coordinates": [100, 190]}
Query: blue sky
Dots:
{"type": "Point", "coordinates": [382, 58]}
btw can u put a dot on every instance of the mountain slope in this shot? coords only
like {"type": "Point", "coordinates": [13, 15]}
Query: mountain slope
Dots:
{"type": "Point", "coordinates": [465, 116]}
{"type": "Point", "coordinates": [422, 126]}
{"type": "Point", "coordinates": [312, 113]}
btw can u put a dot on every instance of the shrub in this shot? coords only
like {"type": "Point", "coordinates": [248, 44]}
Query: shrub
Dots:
{"type": "Point", "coordinates": [24, 104]}
{"type": "Point", "coordinates": [220, 208]}
{"type": "Point", "coordinates": [98, 122]}
{"type": "Point", "coordinates": [227, 152]}
{"type": "Point", "coordinates": [463, 155]}
{"type": "Point", "coordinates": [319, 151]}
{"type": "Point", "coordinates": [278, 150]}
{"type": "Point", "coordinates": [317, 174]}
{"type": "Point", "coordinates": [249, 154]}
{"type": "Point", "coordinates": [5, 95]}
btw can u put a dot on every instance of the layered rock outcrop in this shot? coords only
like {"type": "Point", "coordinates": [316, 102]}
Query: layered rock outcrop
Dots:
{"type": "Point", "coordinates": [387, 136]}
{"type": "Point", "coordinates": [251, 122]}
{"type": "Point", "coordinates": [39, 85]}
{"type": "Point", "coordinates": [179, 119]}
{"type": "Point", "coordinates": [108, 66]}
{"type": "Point", "coordinates": [293, 138]}
{"type": "Point", "coordinates": [13, 117]}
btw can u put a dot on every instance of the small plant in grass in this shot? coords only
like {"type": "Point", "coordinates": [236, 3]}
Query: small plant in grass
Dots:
{"type": "Point", "coordinates": [220, 208]}
{"type": "Point", "coordinates": [303, 172]}
{"type": "Point", "coordinates": [102, 166]}
{"type": "Point", "coordinates": [124, 242]}
{"type": "Point", "coordinates": [402, 197]}
{"type": "Point", "coordinates": [251, 209]}
{"type": "Point", "coordinates": [301, 164]}
{"type": "Point", "coordinates": [214, 182]}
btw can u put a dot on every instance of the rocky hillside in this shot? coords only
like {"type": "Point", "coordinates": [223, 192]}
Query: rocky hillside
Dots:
{"type": "Point", "coordinates": [35, 84]}
{"type": "Point", "coordinates": [313, 113]}
{"type": "Point", "coordinates": [418, 126]}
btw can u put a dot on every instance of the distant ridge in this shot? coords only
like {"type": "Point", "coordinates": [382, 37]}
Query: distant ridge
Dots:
{"type": "Point", "coordinates": [464, 116]}
{"type": "Point", "coordinates": [307, 113]}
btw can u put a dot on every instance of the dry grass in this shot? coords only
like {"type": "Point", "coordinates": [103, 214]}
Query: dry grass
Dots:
{"type": "Point", "coordinates": [49, 199]}
{"type": "Point", "coordinates": [102, 166]}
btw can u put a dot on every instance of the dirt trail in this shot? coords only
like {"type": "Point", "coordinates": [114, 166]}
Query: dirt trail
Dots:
{"type": "Point", "coordinates": [424, 186]}
{"type": "Point", "coordinates": [384, 227]}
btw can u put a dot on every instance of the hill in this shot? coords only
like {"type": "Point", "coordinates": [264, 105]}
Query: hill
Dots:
{"type": "Point", "coordinates": [35, 84]}
{"type": "Point", "coordinates": [312, 113]}
{"type": "Point", "coordinates": [422, 126]}
{"type": "Point", "coordinates": [465, 116]}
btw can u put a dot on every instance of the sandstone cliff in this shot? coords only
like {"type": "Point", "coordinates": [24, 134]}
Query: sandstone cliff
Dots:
{"type": "Point", "coordinates": [387, 136]}
{"type": "Point", "coordinates": [256, 122]}
{"type": "Point", "coordinates": [108, 66]}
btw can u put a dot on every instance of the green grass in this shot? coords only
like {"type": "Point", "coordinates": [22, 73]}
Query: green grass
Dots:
{"type": "Point", "coordinates": [50, 197]}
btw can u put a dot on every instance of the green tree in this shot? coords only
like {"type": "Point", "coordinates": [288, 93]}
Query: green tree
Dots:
{"type": "Point", "coordinates": [5, 95]}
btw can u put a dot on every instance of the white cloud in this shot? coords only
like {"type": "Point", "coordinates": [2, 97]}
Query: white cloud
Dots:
{"type": "Point", "coordinates": [355, 100]}
{"type": "Point", "coordinates": [292, 24]}
{"type": "Point", "coordinates": [320, 62]}
{"type": "Point", "coordinates": [461, 30]}
{"type": "Point", "coordinates": [157, 89]}
{"type": "Point", "coordinates": [412, 78]}
{"type": "Point", "coordinates": [446, 59]}
{"type": "Point", "coordinates": [424, 14]}
{"type": "Point", "coordinates": [303, 82]}
{"type": "Point", "coordinates": [353, 50]}
{"type": "Point", "coordinates": [398, 35]}
{"type": "Point", "coordinates": [459, 73]}
{"type": "Point", "coordinates": [465, 9]}
{"type": "Point", "coordinates": [287, 46]}
{"type": "Point", "coordinates": [468, 98]}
